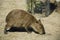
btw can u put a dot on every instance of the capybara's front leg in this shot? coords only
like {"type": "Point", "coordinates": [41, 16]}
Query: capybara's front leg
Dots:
{"type": "Point", "coordinates": [27, 30]}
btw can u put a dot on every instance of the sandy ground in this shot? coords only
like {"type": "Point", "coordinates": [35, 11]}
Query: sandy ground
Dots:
{"type": "Point", "coordinates": [51, 24]}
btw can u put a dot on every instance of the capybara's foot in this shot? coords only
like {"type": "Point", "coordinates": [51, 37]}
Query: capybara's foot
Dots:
{"type": "Point", "coordinates": [5, 32]}
{"type": "Point", "coordinates": [28, 32]}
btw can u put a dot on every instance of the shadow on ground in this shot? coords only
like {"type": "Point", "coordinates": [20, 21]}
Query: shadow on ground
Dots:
{"type": "Point", "coordinates": [21, 29]}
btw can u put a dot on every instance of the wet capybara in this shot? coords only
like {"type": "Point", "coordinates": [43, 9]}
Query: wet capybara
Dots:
{"type": "Point", "coordinates": [21, 18]}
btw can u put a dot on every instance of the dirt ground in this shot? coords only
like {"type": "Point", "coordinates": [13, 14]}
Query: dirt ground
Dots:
{"type": "Point", "coordinates": [51, 24]}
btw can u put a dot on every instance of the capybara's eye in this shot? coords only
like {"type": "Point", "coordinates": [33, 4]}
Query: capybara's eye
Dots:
{"type": "Point", "coordinates": [36, 21]}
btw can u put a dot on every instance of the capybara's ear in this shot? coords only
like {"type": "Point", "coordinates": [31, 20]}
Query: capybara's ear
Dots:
{"type": "Point", "coordinates": [39, 20]}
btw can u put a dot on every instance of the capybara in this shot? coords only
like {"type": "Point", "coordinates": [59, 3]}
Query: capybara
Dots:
{"type": "Point", "coordinates": [21, 18]}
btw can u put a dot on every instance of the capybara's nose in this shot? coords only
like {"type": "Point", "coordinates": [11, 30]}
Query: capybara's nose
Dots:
{"type": "Point", "coordinates": [44, 32]}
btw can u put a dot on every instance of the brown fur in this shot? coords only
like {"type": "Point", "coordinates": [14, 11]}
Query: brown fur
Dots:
{"type": "Point", "coordinates": [20, 18]}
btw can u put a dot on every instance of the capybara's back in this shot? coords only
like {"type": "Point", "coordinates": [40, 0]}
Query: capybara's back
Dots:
{"type": "Point", "coordinates": [20, 18]}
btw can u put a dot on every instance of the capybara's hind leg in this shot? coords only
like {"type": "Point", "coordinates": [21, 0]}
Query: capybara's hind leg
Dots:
{"type": "Point", "coordinates": [7, 27]}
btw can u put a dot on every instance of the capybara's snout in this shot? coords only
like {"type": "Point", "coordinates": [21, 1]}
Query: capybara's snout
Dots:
{"type": "Point", "coordinates": [42, 32]}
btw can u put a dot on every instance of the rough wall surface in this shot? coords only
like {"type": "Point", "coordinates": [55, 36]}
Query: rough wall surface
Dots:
{"type": "Point", "coordinates": [51, 23]}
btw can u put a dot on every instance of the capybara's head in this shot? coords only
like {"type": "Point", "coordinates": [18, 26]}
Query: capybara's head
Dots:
{"type": "Point", "coordinates": [39, 27]}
